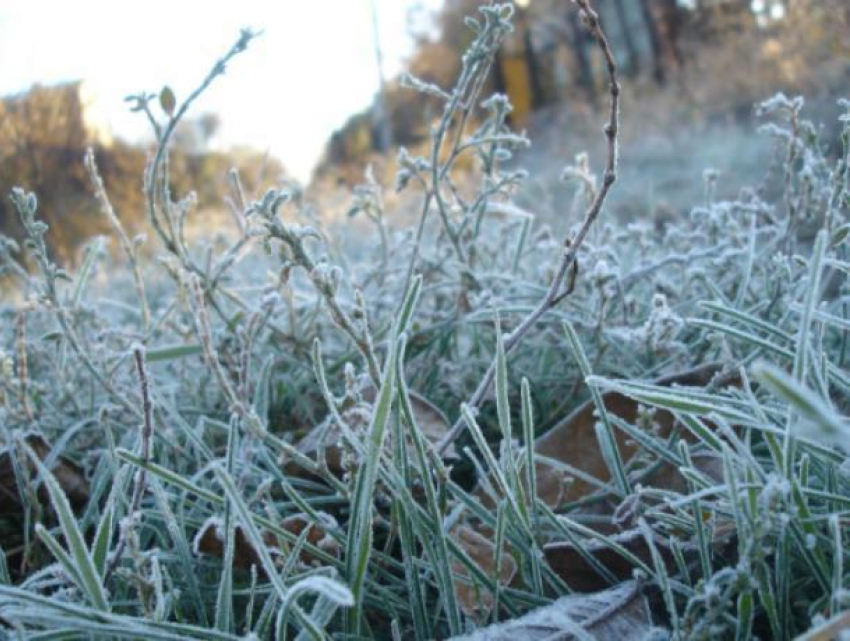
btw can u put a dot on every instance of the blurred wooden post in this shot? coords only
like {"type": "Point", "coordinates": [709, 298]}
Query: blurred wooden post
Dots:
{"type": "Point", "coordinates": [534, 85]}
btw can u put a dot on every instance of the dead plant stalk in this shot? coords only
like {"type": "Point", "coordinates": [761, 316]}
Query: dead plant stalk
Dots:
{"type": "Point", "coordinates": [554, 293]}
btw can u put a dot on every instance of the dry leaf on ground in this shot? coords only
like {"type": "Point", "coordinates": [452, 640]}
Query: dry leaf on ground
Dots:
{"type": "Point", "coordinates": [573, 442]}
{"type": "Point", "coordinates": [571, 449]}
{"type": "Point", "coordinates": [210, 540]}
{"type": "Point", "coordinates": [618, 614]}
{"type": "Point", "coordinates": [328, 436]}
{"type": "Point", "coordinates": [476, 601]}
{"type": "Point", "coordinates": [68, 474]}
{"type": "Point", "coordinates": [574, 562]}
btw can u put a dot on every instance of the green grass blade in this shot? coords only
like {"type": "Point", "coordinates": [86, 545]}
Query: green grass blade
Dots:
{"type": "Point", "coordinates": [172, 352]}
{"type": "Point", "coordinates": [605, 435]}
{"type": "Point", "coordinates": [102, 539]}
{"type": "Point", "coordinates": [91, 584]}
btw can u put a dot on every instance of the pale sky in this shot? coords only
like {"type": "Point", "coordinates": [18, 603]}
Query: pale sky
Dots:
{"type": "Point", "coordinates": [312, 68]}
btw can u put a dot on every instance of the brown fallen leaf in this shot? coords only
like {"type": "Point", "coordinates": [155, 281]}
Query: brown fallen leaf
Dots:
{"type": "Point", "coordinates": [316, 535]}
{"type": "Point", "coordinates": [69, 475]}
{"type": "Point", "coordinates": [569, 466]}
{"type": "Point", "coordinates": [210, 540]}
{"type": "Point", "coordinates": [571, 563]}
{"type": "Point", "coordinates": [328, 436]}
{"type": "Point", "coordinates": [667, 476]}
{"type": "Point", "coordinates": [476, 602]}
{"type": "Point", "coordinates": [619, 614]}
{"type": "Point", "coordinates": [573, 442]}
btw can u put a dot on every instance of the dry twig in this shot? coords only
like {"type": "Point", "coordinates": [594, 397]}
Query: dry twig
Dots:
{"type": "Point", "coordinates": [568, 258]}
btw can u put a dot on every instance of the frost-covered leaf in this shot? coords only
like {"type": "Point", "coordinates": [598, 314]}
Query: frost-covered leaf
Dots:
{"type": "Point", "coordinates": [619, 614]}
{"type": "Point", "coordinates": [167, 100]}
{"type": "Point", "coordinates": [78, 559]}
{"type": "Point", "coordinates": [820, 421]}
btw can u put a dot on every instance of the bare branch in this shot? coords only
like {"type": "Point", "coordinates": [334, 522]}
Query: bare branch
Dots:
{"type": "Point", "coordinates": [571, 249]}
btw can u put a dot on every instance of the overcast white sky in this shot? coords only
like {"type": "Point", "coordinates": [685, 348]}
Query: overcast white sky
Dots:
{"type": "Point", "coordinates": [312, 68]}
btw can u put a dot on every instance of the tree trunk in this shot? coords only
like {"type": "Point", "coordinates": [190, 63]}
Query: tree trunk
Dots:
{"type": "Point", "coordinates": [538, 99]}
{"type": "Point", "coordinates": [585, 71]}
{"type": "Point", "coordinates": [633, 66]}
{"type": "Point", "coordinates": [672, 19]}
{"type": "Point", "coordinates": [649, 17]}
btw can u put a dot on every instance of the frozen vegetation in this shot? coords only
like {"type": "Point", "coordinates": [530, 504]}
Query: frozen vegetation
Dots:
{"type": "Point", "coordinates": [627, 431]}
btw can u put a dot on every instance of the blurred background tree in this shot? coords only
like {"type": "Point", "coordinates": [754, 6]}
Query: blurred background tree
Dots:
{"type": "Point", "coordinates": [683, 59]}
{"type": "Point", "coordinates": [684, 62]}
{"type": "Point", "coordinates": [43, 136]}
